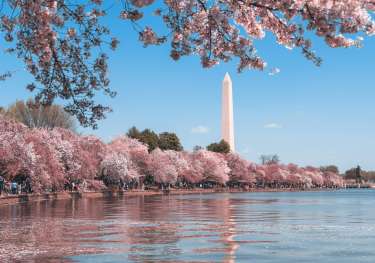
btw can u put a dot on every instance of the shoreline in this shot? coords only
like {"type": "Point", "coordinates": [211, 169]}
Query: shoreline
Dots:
{"type": "Point", "coordinates": [25, 198]}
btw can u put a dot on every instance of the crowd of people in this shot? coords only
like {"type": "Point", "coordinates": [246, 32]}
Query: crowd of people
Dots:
{"type": "Point", "coordinates": [14, 187]}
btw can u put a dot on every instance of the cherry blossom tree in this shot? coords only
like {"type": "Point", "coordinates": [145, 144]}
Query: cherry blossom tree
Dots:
{"type": "Point", "coordinates": [211, 166]}
{"type": "Point", "coordinates": [49, 171]}
{"type": "Point", "coordinates": [91, 151]}
{"type": "Point", "coordinates": [219, 30]}
{"type": "Point", "coordinates": [294, 180]}
{"type": "Point", "coordinates": [161, 166]}
{"type": "Point", "coordinates": [9, 125]}
{"type": "Point", "coordinates": [54, 158]}
{"type": "Point", "coordinates": [192, 173]}
{"type": "Point", "coordinates": [116, 169]}
{"type": "Point", "coordinates": [66, 153]}
{"type": "Point", "coordinates": [260, 175]}
{"type": "Point", "coordinates": [134, 150]}
{"type": "Point", "coordinates": [17, 157]}
{"type": "Point", "coordinates": [61, 42]}
{"type": "Point", "coordinates": [26, 153]}
{"type": "Point", "coordinates": [241, 170]}
{"type": "Point", "coordinates": [306, 181]}
{"type": "Point", "coordinates": [276, 174]}
{"type": "Point", "coordinates": [180, 162]}
{"type": "Point", "coordinates": [88, 152]}
{"type": "Point", "coordinates": [293, 168]}
{"type": "Point", "coordinates": [316, 176]}
{"type": "Point", "coordinates": [332, 180]}
{"type": "Point", "coordinates": [126, 160]}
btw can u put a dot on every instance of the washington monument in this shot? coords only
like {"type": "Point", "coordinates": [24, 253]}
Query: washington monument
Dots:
{"type": "Point", "coordinates": [227, 129]}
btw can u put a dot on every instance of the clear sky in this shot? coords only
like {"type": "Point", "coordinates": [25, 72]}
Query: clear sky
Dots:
{"type": "Point", "coordinates": [305, 114]}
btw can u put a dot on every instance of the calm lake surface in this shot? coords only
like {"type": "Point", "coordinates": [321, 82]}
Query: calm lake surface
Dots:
{"type": "Point", "coordinates": [244, 227]}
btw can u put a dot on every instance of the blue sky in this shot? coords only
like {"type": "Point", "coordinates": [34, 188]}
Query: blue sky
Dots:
{"type": "Point", "coordinates": [305, 114]}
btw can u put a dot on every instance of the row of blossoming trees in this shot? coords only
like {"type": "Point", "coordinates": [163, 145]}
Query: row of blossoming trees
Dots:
{"type": "Point", "coordinates": [53, 159]}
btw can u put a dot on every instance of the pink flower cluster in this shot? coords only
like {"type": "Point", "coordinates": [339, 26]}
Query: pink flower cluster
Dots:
{"type": "Point", "coordinates": [62, 42]}
{"type": "Point", "coordinates": [53, 159]}
{"type": "Point", "coordinates": [219, 30]}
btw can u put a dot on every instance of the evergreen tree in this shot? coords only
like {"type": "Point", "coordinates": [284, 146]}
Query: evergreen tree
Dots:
{"type": "Point", "coordinates": [134, 133]}
{"type": "Point", "coordinates": [150, 138]}
{"type": "Point", "coordinates": [221, 147]}
{"type": "Point", "coordinates": [169, 141]}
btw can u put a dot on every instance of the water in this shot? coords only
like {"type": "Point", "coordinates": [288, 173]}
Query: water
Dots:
{"type": "Point", "coordinates": [244, 227]}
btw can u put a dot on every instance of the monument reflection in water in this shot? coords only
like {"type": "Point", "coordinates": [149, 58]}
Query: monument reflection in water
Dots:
{"type": "Point", "coordinates": [258, 227]}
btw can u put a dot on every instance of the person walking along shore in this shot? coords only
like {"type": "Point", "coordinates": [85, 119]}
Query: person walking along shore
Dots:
{"type": "Point", "coordinates": [1, 184]}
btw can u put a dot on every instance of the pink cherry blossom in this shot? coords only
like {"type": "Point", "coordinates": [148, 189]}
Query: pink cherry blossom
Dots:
{"type": "Point", "coordinates": [54, 158]}
{"type": "Point", "coordinates": [162, 166]}
{"type": "Point", "coordinates": [241, 170]}
{"type": "Point", "coordinates": [61, 42]}
{"type": "Point", "coordinates": [115, 169]}
{"type": "Point", "coordinates": [134, 150]}
{"type": "Point", "coordinates": [212, 166]}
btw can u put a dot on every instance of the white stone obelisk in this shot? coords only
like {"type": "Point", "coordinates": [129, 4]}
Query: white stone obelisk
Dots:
{"type": "Point", "coordinates": [227, 128]}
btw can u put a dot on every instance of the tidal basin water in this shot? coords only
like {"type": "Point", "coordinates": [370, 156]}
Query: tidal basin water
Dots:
{"type": "Point", "coordinates": [243, 227]}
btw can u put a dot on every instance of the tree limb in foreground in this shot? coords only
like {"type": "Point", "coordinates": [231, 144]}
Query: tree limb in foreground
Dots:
{"type": "Point", "coordinates": [61, 42]}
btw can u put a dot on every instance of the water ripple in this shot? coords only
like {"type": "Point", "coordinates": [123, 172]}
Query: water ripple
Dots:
{"type": "Point", "coordinates": [258, 227]}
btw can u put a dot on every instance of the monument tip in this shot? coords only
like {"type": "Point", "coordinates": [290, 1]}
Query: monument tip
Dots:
{"type": "Point", "coordinates": [227, 77]}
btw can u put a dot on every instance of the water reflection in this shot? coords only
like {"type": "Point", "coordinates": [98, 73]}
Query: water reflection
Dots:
{"type": "Point", "coordinates": [192, 228]}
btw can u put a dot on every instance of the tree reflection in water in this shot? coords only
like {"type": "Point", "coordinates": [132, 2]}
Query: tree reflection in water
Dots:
{"type": "Point", "coordinates": [163, 228]}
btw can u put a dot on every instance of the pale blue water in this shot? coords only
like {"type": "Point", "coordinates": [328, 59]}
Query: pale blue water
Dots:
{"type": "Point", "coordinates": [244, 227]}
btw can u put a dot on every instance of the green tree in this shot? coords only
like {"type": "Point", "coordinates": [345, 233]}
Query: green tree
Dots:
{"type": "Point", "coordinates": [150, 138]}
{"type": "Point", "coordinates": [147, 136]}
{"type": "Point", "coordinates": [221, 147]}
{"type": "Point", "coordinates": [134, 133]}
{"type": "Point", "coordinates": [360, 175]}
{"type": "Point", "coordinates": [169, 141]}
{"type": "Point", "coordinates": [350, 174]}
{"type": "Point", "coordinates": [330, 168]}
